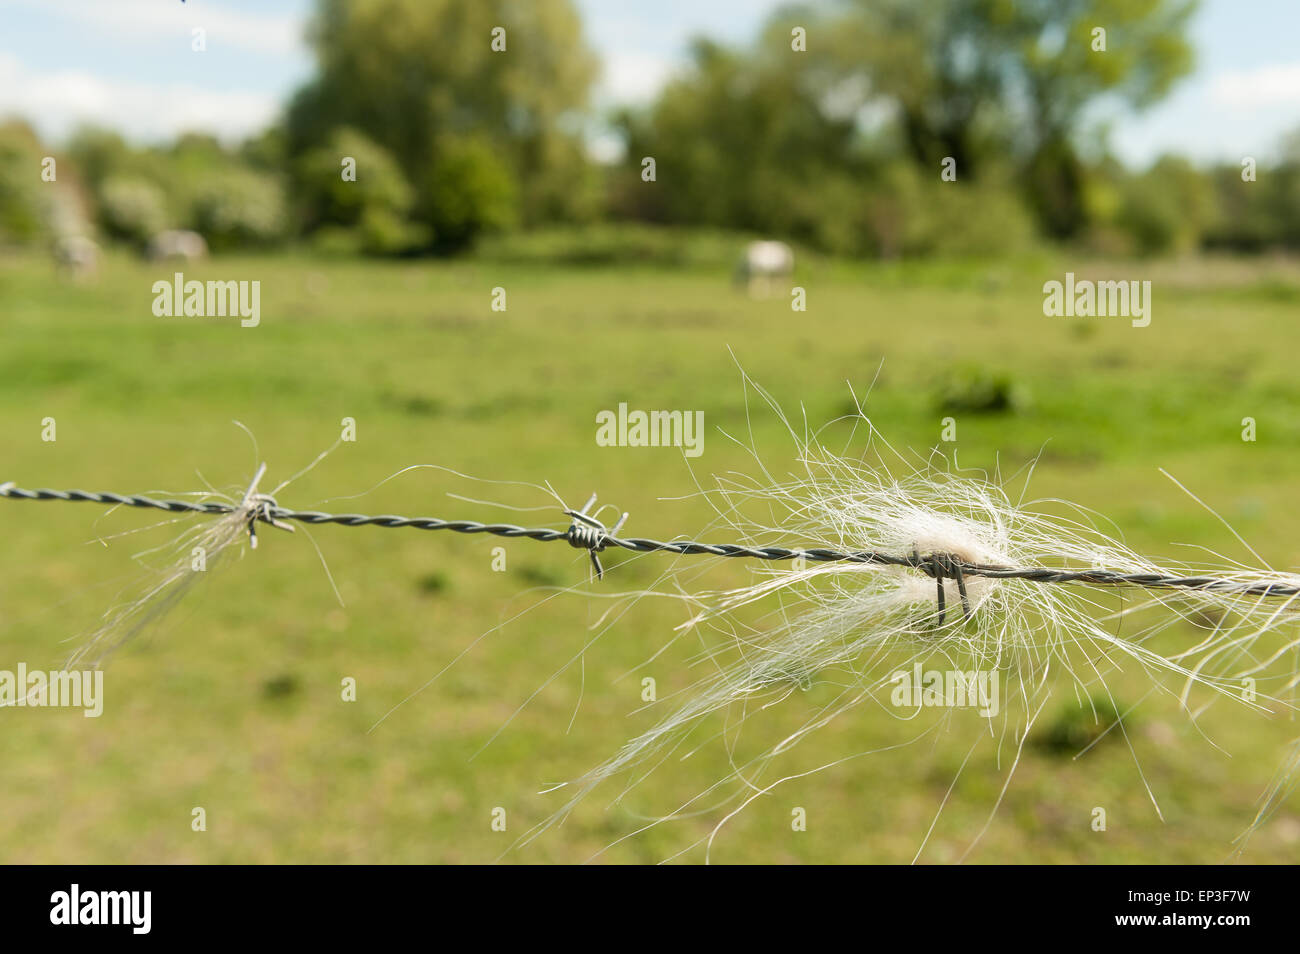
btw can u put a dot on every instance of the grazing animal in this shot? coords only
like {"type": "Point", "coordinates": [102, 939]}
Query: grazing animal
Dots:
{"type": "Point", "coordinates": [76, 257]}
{"type": "Point", "coordinates": [177, 244]}
{"type": "Point", "coordinates": [762, 265]}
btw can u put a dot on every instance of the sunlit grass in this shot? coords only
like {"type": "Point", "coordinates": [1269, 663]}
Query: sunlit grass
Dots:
{"type": "Point", "coordinates": [233, 704]}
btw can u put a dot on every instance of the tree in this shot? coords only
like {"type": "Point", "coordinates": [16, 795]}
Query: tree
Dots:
{"type": "Point", "coordinates": [23, 209]}
{"type": "Point", "coordinates": [970, 77]}
{"type": "Point", "coordinates": [1168, 208]}
{"type": "Point", "coordinates": [132, 209]}
{"type": "Point", "coordinates": [238, 207]}
{"type": "Point", "coordinates": [936, 63]}
{"type": "Point", "coordinates": [99, 153]}
{"type": "Point", "coordinates": [741, 142]}
{"type": "Point", "coordinates": [466, 190]}
{"type": "Point", "coordinates": [375, 181]}
{"type": "Point", "coordinates": [421, 76]}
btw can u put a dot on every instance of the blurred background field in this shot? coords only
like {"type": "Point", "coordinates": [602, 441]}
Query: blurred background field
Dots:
{"type": "Point", "coordinates": [932, 163]}
{"type": "Point", "coordinates": [233, 703]}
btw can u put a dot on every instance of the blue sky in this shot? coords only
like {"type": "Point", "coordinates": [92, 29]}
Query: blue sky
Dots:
{"type": "Point", "coordinates": [128, 64]}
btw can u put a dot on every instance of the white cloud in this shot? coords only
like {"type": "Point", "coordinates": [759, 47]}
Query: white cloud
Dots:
{"type": "Point", "coordinates": [1263, 86]}
{"type": "Point", "coordinates": [148, 20]}
{"type": "Point", "coordinates": [56, 102]}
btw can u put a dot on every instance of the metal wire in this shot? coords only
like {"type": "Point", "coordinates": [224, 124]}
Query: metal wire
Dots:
{"type": "Point", "coordinates": [589, 534]}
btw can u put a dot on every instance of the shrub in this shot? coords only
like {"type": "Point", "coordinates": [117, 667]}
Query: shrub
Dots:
{"type": "Point", "coordinates": [380, 188]}
{"type": "Point", "coordinates": [384, 232]}
{"type": "Point", "coordinates": [911, 215]}
{"type": "Point", "coordinates": [622, 244]}
{"type": "Point", "coordinates": [239, 207]}
{"type": "Point", "coordinates": [978, 390]}
{"type": "Point", "coordinates": [132, 209]}
{"type": "Point", "coordinates": [467, 191]}
{"type": "Point", "coordinates": [22, 203]}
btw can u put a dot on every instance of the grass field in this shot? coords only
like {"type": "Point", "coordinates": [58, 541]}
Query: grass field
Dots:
{"type": "Point", "coordinates": [233, 702]}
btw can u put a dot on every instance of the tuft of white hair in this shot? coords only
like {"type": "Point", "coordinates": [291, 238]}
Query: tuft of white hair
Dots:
{"type": "Point", "coordinates": [850, 624]}
{"type": "Point", "coordinates": [193, 553]}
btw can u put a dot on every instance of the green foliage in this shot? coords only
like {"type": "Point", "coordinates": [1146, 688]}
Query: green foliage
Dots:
{"type": "Point", "coordinates": [195, 183]}
{"type": "Point", "coordinates": [1080, 727]}
{"type": "Point", "coordinates": [465, 191]}
{"type": "Point", "coordinates": [1260, 214]}
{"type": "Point", "coordinates": [419, 77]}
{"type": "Point", "coordinates": [335, 241]}
{"type": "Point", "coordinates": [131, 209]}
{"type": "Point", "coordinates": [99, 153]}
{"type": "Point", "coordinates": [267, 150]}
{"type": "Point", "coordinates": [1247, 221]}
{"type": "Point", "coordinates": [23, 205]}
{"type": "Point", "coordinates": [1055, 182]}
{"type": "Point", "coordinates": [982, 221]}
{"type": "Point", "coordinates": [738, 144]}
{"type": "Point", "coordinates": [910, 214]}
{"type": "Point", "coordinates": [383, 231]}
{"type": "Point", "coordinates": [238, 208]}
{"type": "Point", "coordinates": [327, 198]}
{"type": "Point", "coordinates": [839, 152]}
{"type": "Point", "coordinates": [1167, 208]}
{"type": "Point", "coordinates": [940, 64]}
{"type": "Point", "coordinates": [844, 150]}
{"type": "Point", "coordinates": [623, 244]}
{"type": "Point", "coordinates": [968, 80]}
{"type": "Point", "coordinates": [975, 389]}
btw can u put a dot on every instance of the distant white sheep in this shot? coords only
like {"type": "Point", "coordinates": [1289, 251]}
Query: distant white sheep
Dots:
{"type": "Point", "coordinates": [76, 257]}
{"type": "Point", "coordinates": [177, 244]}
{"type": "Point", "coordinates": [763, 266]}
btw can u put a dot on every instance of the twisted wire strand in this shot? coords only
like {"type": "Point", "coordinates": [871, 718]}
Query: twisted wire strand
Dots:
{"type": "Point", "coordinates": [939, 566]}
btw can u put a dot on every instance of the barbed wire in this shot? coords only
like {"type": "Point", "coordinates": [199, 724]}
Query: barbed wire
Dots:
{"type": "Point", "coordinates": [588, 533]}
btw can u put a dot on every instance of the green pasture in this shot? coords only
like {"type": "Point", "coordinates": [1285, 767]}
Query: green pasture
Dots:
{"type": "Point", "coordinates": [233, 702]}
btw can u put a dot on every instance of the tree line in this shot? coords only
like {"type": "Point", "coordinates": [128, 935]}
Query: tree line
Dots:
{"type": "Point", "coordinates": [871, 128]}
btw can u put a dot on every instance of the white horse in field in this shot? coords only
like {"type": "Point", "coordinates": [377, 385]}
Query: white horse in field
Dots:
{"type": "Point", "coordinates": [77, 257]}
{"type": "Point", "coordinates": [177, 245]}
{"type": "Point", "coordinates": [765, 267]}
